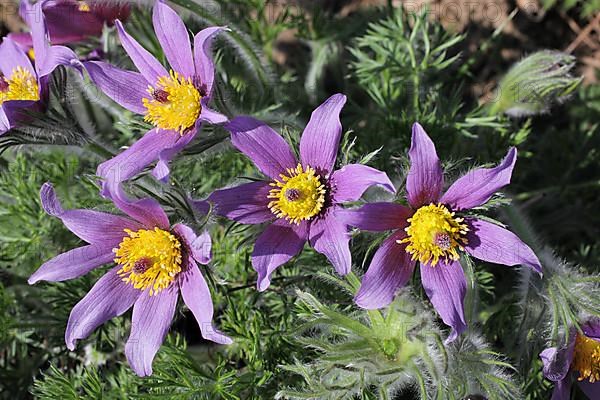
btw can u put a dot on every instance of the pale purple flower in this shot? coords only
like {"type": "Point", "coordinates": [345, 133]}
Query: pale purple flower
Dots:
{"type": "Point", "coordinates": [300, 199]}
{"type": "Point", "coordinates": [175, 101]}
{"type": "Point", "coordinates": [155, 262]}
{"type": "Point", "coordinates": [23, 86]}
{"type": "Point", "coordinates": [70, 21]}
{"type": "Point", "coordinates": [432, 230]}
{"type": "Point", "coordinates": [577, 362]}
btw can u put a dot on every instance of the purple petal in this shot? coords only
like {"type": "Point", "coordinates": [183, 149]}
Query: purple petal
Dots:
{"type": "Point", "coordinates": [138, 156]}
{"type": "Point", "coordinates": [591, 390]}
{"type": "Point", "coordinates": [23, 39]}
{"type": "Point", "coordinates": [150, 322]}
{"type": "Point", "coordinates": [265, 147]}
{"type": "Point", "coordinates": [200, 247]}
{"type": "Point", "coordinates": [196, 296]}
{"type": "Point", "coordinates": [74, 263]}
{"type": "Point", "coordinates": [211, 116]}
{"type": "Point", "coordinates": [12, 56]}
{"type": "Point", "coordinates": [329, 236]}
{"type": "Point", "coordinates": [109, 298]}
{"type": "Point", "coordinates": [246, 203]}
{"type": "Point", "coordinates": [321, 137]}
{"type": "Point", "coordinates": [143, 60]}
{"type": "Point", "coordinates": [205, 68]}
{"type": "Point", "coordinates": [556, 363]}
{"type": "Point", "coordinates": [161, 171]}
{"type": "Point", "coordinates": [67, 24]}
{"type": "Point", "coordinates": [425, 177]}
{"type": "Point", "coordinates": [562, 389]}
{"type": "Point", "coordinates": [390, 269]}
{"type": "Point", "coordinates": [15, 112]}
{"type": "Point", "coordinates": [477, 187]}
{"type": "Point", "coordinates": [55, 56]}
{"type": "Point", "coordinates": [492, 243]}
{"type": "Point", "coordinates": [174, 39]}
{"type": "Point", "coordinates": [5, 124]}
{"type": "Point", "coordinates": [275, 246]}
{"type": "Point", "coordinates": [93, 227]}
{"type": "Point", "coordinates": [351, 181]}
{"type": "Point", "coordinates": [34, 16]}
{"type": "Point", "coordinates": [377, 216]}
{"type": "Point", "coordinates": [147, 211]}
{"type": "Point", "coordinates": [591, 329]}
{"type": "Point", "coordinates": [47, 57]}
{"type": "Point", "coordinates": [127, 88]}
{"type": "Point", "coordinates": [200, 206]}
{"type": "Point", "coordinates": [446, 286]}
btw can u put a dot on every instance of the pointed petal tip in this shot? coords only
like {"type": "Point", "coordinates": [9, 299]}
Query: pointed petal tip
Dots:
{"type": "Point", "coordinates": [417, 129]}
{"type": "Point", "coordinates": [141, 371]}
{"type": "Point", "coordinates": [50, 202]}
{"type": "Point", "coordinates": [416, 126]}
{"type": "Point", "coordinates": [511, 158]}
{"type": "Point", "coordinates": [538, 268]}
{"type": "Point", "coordinates": [262, 284]}
{"type": "Point", "coordinates": [453, 335]}
{"type": "Point", "coordinates": [344, 270]}
{"type": "Point", "coordinates": [360, 301]}
{"type": "Point", "coordinates": [338, 97]}
{"type": "Point", "coordinates": [217, 337]}
{"type": "Point", "coordinates": [228, 340]}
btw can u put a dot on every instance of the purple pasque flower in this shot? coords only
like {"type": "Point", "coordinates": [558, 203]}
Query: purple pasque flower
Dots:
{"type": "Point", "coordinates": [300, 199]}
{"type": "Point", "coordinates": [70, 21]}
{"type": "Point", "coordinates": [175, 101]}
{"type": "Point", "coordinates": [432, 230]}
{"type": "Point", "coordinates": [155, 261]}
{"type": "Point", "coordinates": [23, 86]}
{"type": "Point", "coordinates": [578, 361]}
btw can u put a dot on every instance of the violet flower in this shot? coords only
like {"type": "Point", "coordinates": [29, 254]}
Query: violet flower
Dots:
{"type": "Point", "coordinates": [578, 362]}
{"type": "Point", "coordinates": [432, 230]}
{"type": "Point", "coordinates": [71, 21]}
{"type": "Point", "coordinates": [175, 101]}
{"type": "Point", "coordinates": [155, 261]}
{"type": "Point", "coordinates": [23, 86]}
{"type": "Point", "coordinates": [300, 199]}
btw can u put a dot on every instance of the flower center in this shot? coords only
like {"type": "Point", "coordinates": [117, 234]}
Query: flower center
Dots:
{"type": "Point", "coordinates": [586, 358]}
{"type": "Point", "coordinates": [21, 85]}
{"type": "Point", "coordinates": [83, 6]}
{"type": "Point", "coordinates": [434, 232]}
{"type": "Point", "coordinates": [174, 103]}
{"type": "Point", "coordinates": [149, 259]}
{"type": "Point", "coordinates": [298, 196]}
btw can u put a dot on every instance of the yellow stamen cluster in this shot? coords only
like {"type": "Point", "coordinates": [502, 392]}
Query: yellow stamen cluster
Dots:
{"type": "Point", "coordinates": [21, 85]}
{"type": "Point", "coordinates": [586, 358]}
{"type": "Point", "coordinates": [84, 7]}
{"type": "Point", "coordinates": [434, 233]}
{"type": "Point", "coordinates": [174, 103]}
{"type": "Point", "coordinates": [298, 196]}
{"type": "Point", "coordinates": [149, 259]}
